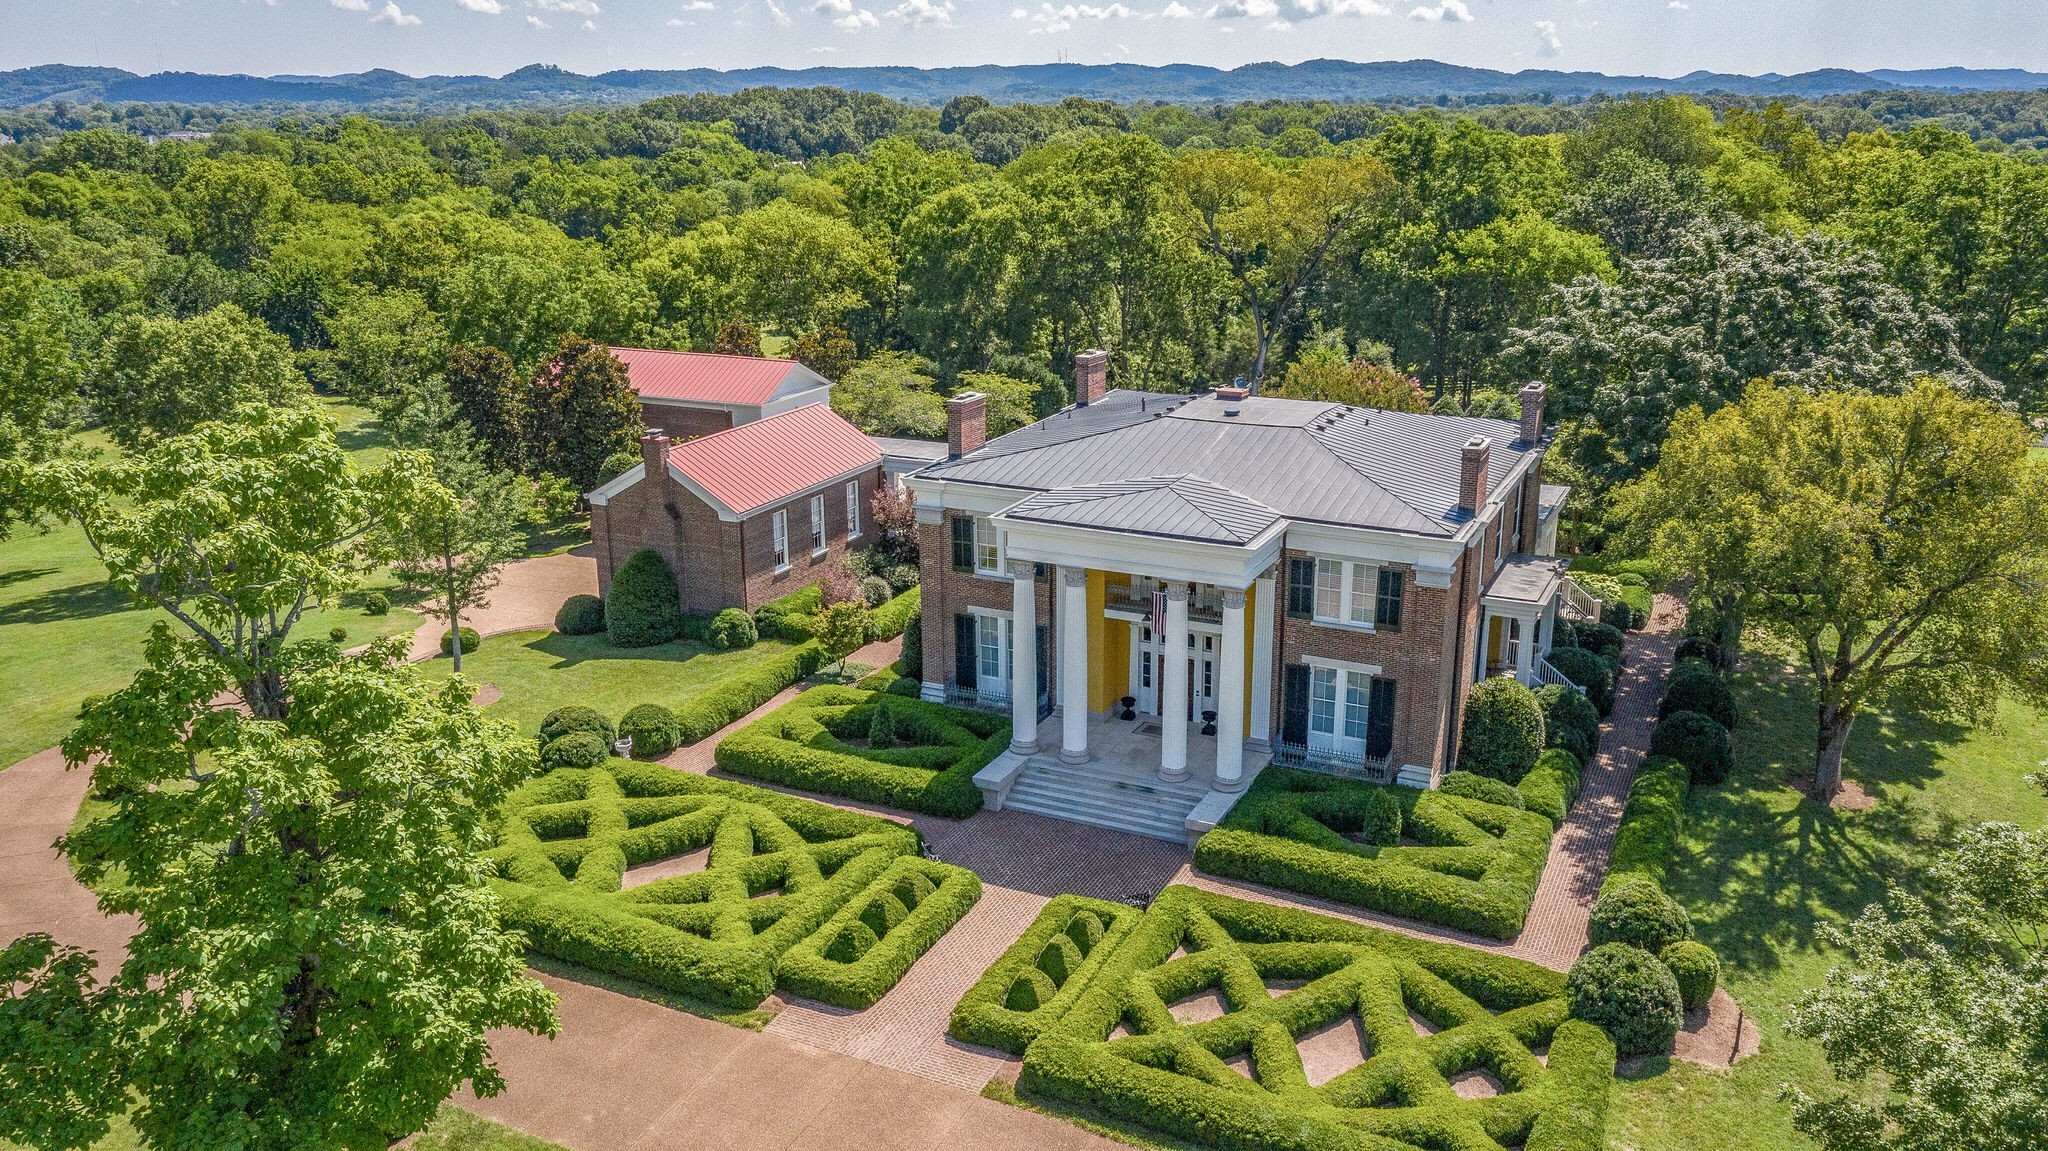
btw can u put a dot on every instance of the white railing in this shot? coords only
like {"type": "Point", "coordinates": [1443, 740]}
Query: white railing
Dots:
{"type": "Point", "coordinates": [1371, 768]}
{"type": "Point", "coordinates": [1578, 601]}
{"type": "Point", "coordinates": [1545, 673]}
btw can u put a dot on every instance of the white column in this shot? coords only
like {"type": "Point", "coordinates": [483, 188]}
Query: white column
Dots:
{"type": "Point", "coordinates": [1230, 686]}
{"type": "Point", "coordinates": [1260, 733]}
{"type": "Point", "coordinates": [1525, 650]}
{"type": "Point", "coordinates": [1023, 658]}
{"type": "Point", "coordinates": [1074, 665]}
{"type": "Point", "coordinates": [1173, 693]}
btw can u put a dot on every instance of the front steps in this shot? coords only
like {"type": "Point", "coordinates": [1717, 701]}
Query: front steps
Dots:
{"type": "Point", "coordinates": [1089, 793]}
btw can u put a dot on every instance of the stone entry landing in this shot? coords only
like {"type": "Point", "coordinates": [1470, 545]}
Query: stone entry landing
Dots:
{"type": "Point", "coordinates": [1119, 788]}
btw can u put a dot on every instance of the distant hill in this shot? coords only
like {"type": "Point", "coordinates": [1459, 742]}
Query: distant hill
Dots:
{"type": "Point", "coordinates": [1338, 80]}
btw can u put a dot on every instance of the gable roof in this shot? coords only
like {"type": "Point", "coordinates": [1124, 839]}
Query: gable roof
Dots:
{"type": "Point", "coordinates": [1305, 460]}
{"type": "Point", "coordinates": [1184, 507]}
{"type": "Point", "coordinates": [711, 378]}
{"type": "Point", "coordinates": [746, 468]}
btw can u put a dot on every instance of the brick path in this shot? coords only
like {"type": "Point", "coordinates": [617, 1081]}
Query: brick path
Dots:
{"type": "Point", "coordinates": [37, 890]}
{"type": "Point", "coordinates": [527, 595]}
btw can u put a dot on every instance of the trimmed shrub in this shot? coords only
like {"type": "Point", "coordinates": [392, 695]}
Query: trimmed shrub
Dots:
{"type": "Point", "coordinates": [1695, 685]}
{"type": "Point", "coordinates": [1039, 977]}
{"type": "Point", "coordinates": [564, 720]}
{"type": "Point", "coordinates": [1481, 788]}
{"type": "Point", "coordinates": [580, 615]}
{"type": "Point", "coordinates": [339, 634]}
{"type": "Point", "coordinates": [861, 952]}
{"type": "Point", "coordinates": [470, 641]}
{"type": "Point", "coordinates": [1598, 582]}
{"type": "Point", "coordinates": [913, 645]}
{"type": "Point", "coordinates": [654, 729]}
{"type": "Point", "coordinates": [732, 630]}
{"type": "Point", "coordinates": [1638, 913]}
{"type": "Point", "coordinates": [1570, 721]}
{"type": "Point", "coordinates": [1552, 785]}
{"type": "Point", "coordinates": [790, 618]}
{"type": "Point", "coordinates": [1603, 639]}
{"type": "Point", "coordinates": [897, 617]}
{"type": "Point", "coordinates": [881, 731]}
{"type": "Point", "coordinates": [741, 694]}
{"type": "Point", "coordinates": [376, 603]}
{"type": "Point", "coordinates": [1696, 969]}
{"type": "Point", "coordinates": [1475, 866]}
{"type": "Point", "coordinates": [644, 608]}
{"type": "Point", "coordinates": [1631, 610]}
{"type": "Point", "coordinates": [1626, 992]}
{"type": "Point", "coordinates": [1586, 668]}
{"type": "Point", "coordinates": [1650, 823]}
{"type": "Point", "coordinates": [1701, 648]}
{"type": "Point", "coordinates": [1503, 730]}
{"type": "Point", "coordinates": [576, 749]}
{"type": "Point", "coordinates": [875, 591]}
{"type": "Point", "coordinates": [1696, 741]}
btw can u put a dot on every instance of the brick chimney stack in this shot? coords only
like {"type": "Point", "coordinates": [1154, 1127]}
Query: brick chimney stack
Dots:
{"type": "Point", "coordinates": [966, 423]}
{"type": "Point", "coordinates": [654, 453]}
{"type": "Point", "coordinates": [1091, 377]}
{"type": "Point", "coordinates": [1472, 474]}
{"type": "Point", "coordinates": [1532, 412]}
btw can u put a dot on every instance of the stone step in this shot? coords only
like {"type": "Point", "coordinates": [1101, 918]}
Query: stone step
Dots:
{"type": "Point", "coordinates": [1153, 808]}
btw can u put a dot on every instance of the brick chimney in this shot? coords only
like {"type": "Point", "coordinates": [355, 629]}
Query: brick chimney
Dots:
{"type": "Point", "coordinates": [966, 423]}
{"type": "Point", "coordinates": [1472, 474]}
{"type": "Point", "coordinates": [654, 453]}
{"type": "Point", "coordinates": [1233, 398]}
{"type": "Point", "coordinates": [1532, 412]}
{"type": "Point", "coordinates": [1091, 376]}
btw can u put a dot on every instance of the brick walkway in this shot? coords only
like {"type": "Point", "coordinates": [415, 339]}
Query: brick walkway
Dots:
{"type": "Point", "coordinates": [528, 593]}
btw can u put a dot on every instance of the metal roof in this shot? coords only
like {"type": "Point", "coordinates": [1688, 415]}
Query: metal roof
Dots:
{"type": "Point", "coordinates": [1183, 507]}
{"type": "Point", "coordinates": [751, 466]}
{"type": "Point", "coordinates": [1305, 460]}
{"type": "Point", "coordinates": [899, 448]}
{"type": "Point", "coordinates": [1526, 578]}
{"type": "Point", "coordinates": [708, 377]}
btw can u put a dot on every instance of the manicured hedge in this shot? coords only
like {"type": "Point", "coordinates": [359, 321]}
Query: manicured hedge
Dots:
{"type": "Point", "coordinates": [1041, 975]}
{"type": "Point", "coordinates": [1481, 788]}
{"type": "Point", "coordinates": [1550, 788]}
{"type": "Point", "coordinates": [731, 630]}
{"type": "Point", "coordinates": [563, 720]}
{"type": "Point", "coordinates": [575, 749]}
{"type": "Point", "coordinates": [580, 615]}
{"type": "Point", "coordinates": [1695, 685]}
{"type": "Point", "coordinates": [1503, 730]}
{"type": "Point", "coordinates": [1651, 821]}
{"type": "Point", "coordinates": [1637, 912]}
{"type": "Point", "coordinates": [1171, 1077]}
{"type": "Point", "coordinates": [644, 607]}
{"type": "Point", "coordinates": [1696, 969]}
{"type": "Point", "coordinates": [789, 618]}
{"type": "Point", "coordinates": [1477, 870]}
{"type": "Point", "coordinates": [1570, 721]}
{"type": "Point", "coordinates": [734, 698]}
{"type": "Point", "coordinates": [808, 743]}
{"type": "Point", "coordinates": [1588, 669]}
{"type": "Point", "coordinates": [1626, 992]}
{"type": "Point", "coordinates": [654, 729]}
{"type": "Point", "coordinates": [470, 641]}
{"type": "Point", "coordinates": [780, 872]}
{"type": "Point", "coordinates": [1698, 742]}
{"type": "Point", "coordinates": [869, 943]}
{"type": "Point", "coordinates": [889, 620]}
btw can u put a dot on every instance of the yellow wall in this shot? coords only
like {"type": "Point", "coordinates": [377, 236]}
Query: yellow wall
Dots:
{"type": "Point", "coordinates": [1109, 649]}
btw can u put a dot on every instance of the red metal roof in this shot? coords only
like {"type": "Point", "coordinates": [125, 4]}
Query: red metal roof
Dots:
{"type": "Point", "coordinates": [751, 466]}
{"type": "Point", "coordinates": [703, 377]}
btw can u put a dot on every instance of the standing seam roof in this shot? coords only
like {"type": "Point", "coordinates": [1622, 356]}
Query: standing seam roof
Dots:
{"type": "Point", "coordinates": [751, 466]}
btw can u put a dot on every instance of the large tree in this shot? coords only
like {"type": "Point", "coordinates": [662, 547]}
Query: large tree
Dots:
{"type": "Point", "coordinates": [39, 369]}
{"type": "Point", "coordinates": [489, 394]}
{"type": "Point", "coordinates": [159, 377]}
{"type": "Point", "coordinates": [319, 954]}
{"type": "Point", "coordinates": [236, 529]}
{"type": "Point", "coordinates": [1895, 541]}
{"type": "Point", "coordinates": [584, 409]}
{"type": "Point", "coordinates": [457, 539]}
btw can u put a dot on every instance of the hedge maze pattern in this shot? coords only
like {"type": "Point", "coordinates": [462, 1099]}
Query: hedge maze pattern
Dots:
{"type": "Point", "coordinates": [833, 904]}
{"type": "Point", "coordinates": [1037, 980]}
{"type": "Point", "coordinates": [1209, 1019]}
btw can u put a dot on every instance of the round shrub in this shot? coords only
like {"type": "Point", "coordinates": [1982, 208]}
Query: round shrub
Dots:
{"type": "Point", "coordinates": [732, 629]}
{"type": "Point", "coordinates": [1697, 741]}
{"type": "Point", "coordinates": [875, 591]}
{"type": "Point", "coordinates": [905, 686]}
{"type": "Point", "coordinates": [563, 720]}
{"type": "Point", "coordinates": [576, 749]}
{"type": "Point", "coordinates": [1570, 721]}
{"type": "Point", "coordinates": [882, 729]}
{"type": "Point", "coordinates": [89, 702]}
{"type": "Point", "coordinates": [1695, 686]}
{"type": "Point", "coordinates": [655, 730]}
{"type": "Point", "coordinates": [1599, 583]}
{"type": "Point", "coordinates": [376, 603]}
{"type": "Point", "coordinates": [1470, 786]}
{"type": "Point", "coordinates": [1696, 968]}
{"type": "Point", "coordinates": [1587, 669]}
{"type": "Point", "coordinates": [580, 615]}
{"type": "Point", "coordinates": [1381, 818]}
{"type": "Point", "coordinates": [1627, 993]}
{"type": "Point", "coordinates": [1604, 639]}
{"type": "Point", "coordinates": [1638, 913]}
{"type": "Point", "coordinates": [339, 634]}
{"type": "Point", "coordinates": [913, 648]}
{"type": "Point", "coordinates": [470, 640]}
{"type": "Point", "coordinates": [1503, 731]}
{"type": "Point", "coordinates": [644, 608]}
{"type": "Point", "coordinates": [615, 465]}
{"type": "Point", "coordinates": [1701, 648]}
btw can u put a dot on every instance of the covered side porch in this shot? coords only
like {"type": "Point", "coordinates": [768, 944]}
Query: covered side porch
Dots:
{"type": "Point", "coordinates": [1520, 614]}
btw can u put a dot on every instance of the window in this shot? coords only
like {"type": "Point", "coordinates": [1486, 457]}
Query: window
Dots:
{"type": "Point", "coordinates": [1346, 593]}
{"type": "Point", "coordinates": [963, 543]}
{"type": "Point", "coordinates": [852, 509]}
{"type": "Point", "coordinates": [992, 648]}
{"type": "Point", "coordinates": [986, 560]}
{"type": "Point", "coordinates": [781, 519]}
{"type": "Point", "coordinates": [1362, 595]}
{"type": "Point", "coordinates": [1387, 608]}
{"type": "Point", "coordinates": [1350, 711]}
{"type": "Point", "coordinates": [1329, 589]}
{"type": "Point", "coordinates": [1322, 703]}
{"type": "Point", "coordinates": [1301, 587]}
{"type": "Point", "coordinates": [1357, 689]}
{"type": "Point", "coordinates": [818, 525]}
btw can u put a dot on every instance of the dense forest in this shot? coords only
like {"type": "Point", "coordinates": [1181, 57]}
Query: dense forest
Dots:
{"type": "Point", "coordinates": [1641, 254]}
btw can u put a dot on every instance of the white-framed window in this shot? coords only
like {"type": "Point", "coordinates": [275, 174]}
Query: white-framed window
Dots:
{"type": "Point", "coordinates": [818, 524]}
{"type": "Point", "coordinates": [853, 509]}
{"type": "Point", "coordinates": [987, 561]}
{"type": "Point", "coordinates": [781, 521]}
{"type": "Point", "coordinates": [1339, 708]}
{"type": "Point", "coordinates": [992, 646]}
{"type": "Point", "coordinates": [1346, 593]}
{"type": "Point", "coordinates": [1500, 537]}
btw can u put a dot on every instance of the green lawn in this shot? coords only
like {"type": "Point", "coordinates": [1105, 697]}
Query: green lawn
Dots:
{"type": "Point", "coordinates": [540, 671]}
{"type": "Point", "coordinates": [452, 1130]}
{"type": "Point", "coordinates": [1761, 865]}
{"type": "Point", "coordinates": [64, 634]}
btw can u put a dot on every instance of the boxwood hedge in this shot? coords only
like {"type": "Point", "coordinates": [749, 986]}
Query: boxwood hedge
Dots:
{"type": "Point", "coordinates": [1042, 974]}
{"type": "Point", "coordinates": [870, 942]}
{"type": "Point", "coordinates": [1476, 870]}
{"type": "Point", "coordinates": [814, 742]}
{"type": "Point", "coordinates": [1283, 974]}
{"type": "Point", "coordinates": [741, 694]}
{"type": "Point", "coordinates": [779, 871]}
{"type": "Point", "coordinates": [889, 620]}
{"type": "Point", "coordinates": [1650, 822]}
{"type": "Point", "coordinates": [1552, 785]}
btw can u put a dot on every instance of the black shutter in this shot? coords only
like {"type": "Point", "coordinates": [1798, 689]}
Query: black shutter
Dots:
{"type": "Point", "coordinates": [1379, 718]}
{"type": "Point", "coordinates": [963, 543]}
{"type": "Point", "coordinates": [1044, 671]}
{"type": "Point", "coordinates": [1294, 704]}
{"type": "Point", "coordinates": [966, 657]}
{"type": "Point", "coordinates": [1301, 587]}
{"type": "Point", "coordinates": [1387, 607]}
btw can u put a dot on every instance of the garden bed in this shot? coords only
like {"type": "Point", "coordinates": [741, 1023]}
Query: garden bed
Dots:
{"type": "Point", "coordinates": [1041, 975]}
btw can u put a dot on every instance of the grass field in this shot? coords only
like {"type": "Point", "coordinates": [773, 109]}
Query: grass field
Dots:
{"type": "Point", "coordinates": [1761, 865]}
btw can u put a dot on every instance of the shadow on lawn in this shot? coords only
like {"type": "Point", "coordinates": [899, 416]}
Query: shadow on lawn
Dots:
{"type": "Point", "coordinates": [570, 650]}
{"type": "Point", "coordinates": [24, 575]}
{"type": "Point", "coordinates": [79, 601]}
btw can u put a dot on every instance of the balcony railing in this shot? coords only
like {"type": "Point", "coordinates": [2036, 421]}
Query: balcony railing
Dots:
{"type": "Point", "coordinates": [1545, 673]}
{"type": "Point", "coordinates": [1579, 603]}
{"type": "Point", "coordinates": [991, 699]}
{"type": "Point", "coordinates": [1371, 768]}
{"type": "Point", "coordinates": [1136, 597]}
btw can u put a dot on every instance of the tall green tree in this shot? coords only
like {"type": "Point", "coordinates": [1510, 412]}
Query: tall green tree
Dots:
{"type": "Point", "coordinates": [1895, 541]}
{"type": "Point", "coordinates": [584, 410]}
{"type": "Point", "coordinates": [891, 394]}
{"type": "Point", "coordinates": [385, 345]}
{"type": "Point", "coordinates": [489, 394]}
{"type": "Point", "coordinates": [159, 377]}
{"type": "Point", "coordinates": [457, 539]}
{"type": "Point", "coordinates": [39, 368]}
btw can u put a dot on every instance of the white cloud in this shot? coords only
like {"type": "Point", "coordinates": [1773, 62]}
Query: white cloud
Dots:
{"type": "Point", "coordinates": [590, 25]}
{"type": "Point", "coordinates": [579, 7]}
{"type": "Point", "coordinates": [935, 12]}
{"type": "Point", "coordinates": [1450, 11]}
{"type": "Point", "coordinates": [776, 14]}
{"type": "Point", "coordinates": [1547, 43]}
{"type": "Point", "coordinates": [1251, 9]}
{"type": "Point", "coordinates": [1176, 11]}
{"type": "Point", "coordinates": [1680, 5]}
{"type": "Point", "coordinates": [1307, 8]}
{"type": "Point", "coordinates": [700, 6]}
{"type": "Point", "coordinates": [392, 16]}
{"type": "Point", "coordinates": [487, 7]}
{"type": "Point", "coordinates": [679, 22]}
{"type": "Point", "coordinates": [845, 15]}
{"type": "Point", "coordinates": [827, 50]}
{"type": "Point", "coordinates": [351, 5]}
{"type": "Point", "coordinates": [537, 22]}
{"type": "Point", "coordinates": [1050, 20]}
{"type": "Point", "coordinates": [1279, 26]}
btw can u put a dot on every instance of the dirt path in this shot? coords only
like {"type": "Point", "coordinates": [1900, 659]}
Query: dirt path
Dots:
{"type": "Point", "coordinates": [526, 598]}
{"type": "Point", "coordinates": [37, 890]}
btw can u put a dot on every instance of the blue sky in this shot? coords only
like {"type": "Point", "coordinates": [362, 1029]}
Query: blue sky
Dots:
{"type": "Point", "coordinates": [1660, 37]}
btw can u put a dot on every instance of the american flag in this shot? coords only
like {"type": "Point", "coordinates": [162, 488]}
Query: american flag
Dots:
{"type": "Point", "coordinates": [1158, 611]}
